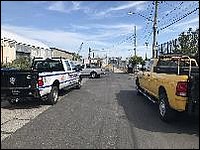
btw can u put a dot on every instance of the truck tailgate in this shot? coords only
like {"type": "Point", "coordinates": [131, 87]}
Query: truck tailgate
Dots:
{"type": "Point", "coordinates": [11, 79]}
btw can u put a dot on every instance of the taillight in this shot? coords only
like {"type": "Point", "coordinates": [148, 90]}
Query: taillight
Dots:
{"type": "Point", "coordinates": [40, 81]}
{"type": "Point", "coordinates": [181, 89]}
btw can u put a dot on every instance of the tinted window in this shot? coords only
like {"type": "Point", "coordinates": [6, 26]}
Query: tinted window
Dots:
{"type": "Point", "coordinates": [82, 66]}
{"type": "Point", "coordinates": [68, 65]}
{"type": "Point", "coordinates": [149, 66]}
{"type": "Point", "coordinates": [167, 62]}
{"type": "Point", "coordinates": [50, 65]}
{"type": "Point", "coordinates": [87, 65]}
{"type": "Point", "coordinates": [72, 65]}
{"type": "Point", "coordinates": [174, 62]}
{"type": "Point", "coordinates": [187, 63]}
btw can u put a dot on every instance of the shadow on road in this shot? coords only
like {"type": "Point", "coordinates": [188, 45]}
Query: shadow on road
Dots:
{"type": "Point", "coordinates": [143, 114]}
{"type": "Point", "coordinates": [30, 103]}
{"type": "Point", "coordinates": [24, 104]}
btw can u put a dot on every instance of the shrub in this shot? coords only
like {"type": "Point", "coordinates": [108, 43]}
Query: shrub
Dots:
{"type": "Point", "coordinates": [21, 63]}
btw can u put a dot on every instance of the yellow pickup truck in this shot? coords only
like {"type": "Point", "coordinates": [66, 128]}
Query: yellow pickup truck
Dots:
{"type": "Point", "coordinates": [172, 81]}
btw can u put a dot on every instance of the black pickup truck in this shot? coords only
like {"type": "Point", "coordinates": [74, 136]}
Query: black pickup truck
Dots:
{"type": "Point", "coordinates": [44, 80]}
{"type": "Point", "coordinates": [16, 83]}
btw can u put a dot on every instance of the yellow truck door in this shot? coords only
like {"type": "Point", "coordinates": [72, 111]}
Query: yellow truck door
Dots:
{"type": "Point", "coordinates": [149, 77]}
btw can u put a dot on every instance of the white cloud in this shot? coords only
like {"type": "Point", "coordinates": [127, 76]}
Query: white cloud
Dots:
{"type": "Point", "coordinates": [66, 7]}
{"type": "Point", "coordinates": [58, 6]}
{"type": "Point", "coordinates": [126, 6]}
{"type": "Point", "coordinates": [109, 30]}
{"type": "Point", "coordinates": [105, 13]}
{"type": "Point", "coordinates": [76, 5]}
{"type": "Point", "coordinates": [71, 40]}
{"type": "Point", "coordinates": [58, 38]}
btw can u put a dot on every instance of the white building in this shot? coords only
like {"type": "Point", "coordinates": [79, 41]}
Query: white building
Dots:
{"type": "Point", "coordinates": [21, 47]}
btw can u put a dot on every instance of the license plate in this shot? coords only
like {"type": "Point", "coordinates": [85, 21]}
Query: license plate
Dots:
{"type": "Point", "coordinates": [15, 92]}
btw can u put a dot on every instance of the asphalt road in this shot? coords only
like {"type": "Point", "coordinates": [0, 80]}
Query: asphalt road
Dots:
{"type": "Point", "coordinates": [105, 113]}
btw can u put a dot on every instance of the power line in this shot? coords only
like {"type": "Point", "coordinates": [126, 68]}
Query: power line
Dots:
{"type": "Point", "coordinates": [147, 23]}
{"type": "Point", "coordinates": [175, 21]}
{"type": "Point", "coordinates": [173, 10]}
{"type": "Point", "coordinates": [181, 10]}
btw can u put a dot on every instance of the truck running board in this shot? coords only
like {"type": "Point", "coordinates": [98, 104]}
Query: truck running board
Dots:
{"type": "Point", "coordinates": [149, 98]}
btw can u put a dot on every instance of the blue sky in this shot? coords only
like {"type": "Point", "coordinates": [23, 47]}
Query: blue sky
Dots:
{"type": "Point", "coordinates": [105, 26]}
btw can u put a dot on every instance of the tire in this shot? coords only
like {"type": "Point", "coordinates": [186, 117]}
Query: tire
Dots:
{"type": "Point", "coordinates": [79, 84]}
{"type": "Point", "coordinates": [53, 96]}
{"type": "Point", "coordinates": [138, 87]}
{"type": "Point", "coordinates": [165, 112]}
{"type": "Point", "coordinates": [93, 75]}
{"type": "Point", "coordinates": [12, 101]}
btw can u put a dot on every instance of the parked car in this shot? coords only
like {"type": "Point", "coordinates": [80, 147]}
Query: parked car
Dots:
{"type": "Point", "coordinates": [91, 70]}
{"type": "Point", "coordinates": [44, 80]}
{"type": "Point", "coordinates": [172, 81]}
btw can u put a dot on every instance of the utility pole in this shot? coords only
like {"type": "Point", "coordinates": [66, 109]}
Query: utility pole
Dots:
{"type": "Point", "coordinates": [134, 41]}
{"type": "Point", "coordinates": [146, 44]}
{"type": "Point", "coordinates": [89, 58]}
{"type": "Point", "coordinates": [155, 30]}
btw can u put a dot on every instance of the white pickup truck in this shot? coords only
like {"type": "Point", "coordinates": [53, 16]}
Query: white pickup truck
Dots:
{"type": "Point", "coordinates": [44, 80]}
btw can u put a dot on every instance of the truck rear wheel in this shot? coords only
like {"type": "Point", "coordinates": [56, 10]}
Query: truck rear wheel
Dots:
{"type": "Point", "coordinates": [12, 101]}
{"type": "Point", "coordinates": [93, 75]}
{"type": "Point", "coordinates": [165, 112]}
{"type": "Point", "coordinates": [53, 96]}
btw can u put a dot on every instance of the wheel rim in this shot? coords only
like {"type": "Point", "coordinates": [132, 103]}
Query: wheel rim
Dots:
{"type": "Point", "coordinates": [162, 108]}
{"type": "Point", "coordinates": [93, 75]}
{"type": "Point", "coordinates": [79, 83]}
{"type": "Point", "coordinates": [55, 95]}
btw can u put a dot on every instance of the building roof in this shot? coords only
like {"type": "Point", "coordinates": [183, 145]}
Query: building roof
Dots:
{"type": "Point", "coordinates": [21, 39]}
{"type": "Point", "coordinates": [58, 49]}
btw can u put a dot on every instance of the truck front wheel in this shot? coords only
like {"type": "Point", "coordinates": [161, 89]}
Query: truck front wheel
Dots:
{"type": "Point", "coordinates": [165, 112]}
{"type": "Point", "coordinates": [53, 96]}
{"type": "Point", "coordinates": [138, 86]}
{"type": "Point", "coordinates": [79, 84]}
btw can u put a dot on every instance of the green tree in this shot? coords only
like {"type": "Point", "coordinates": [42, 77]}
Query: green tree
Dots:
{"type": "Point", "coordinates": [134, 60]}
{"type": "Point", "coordinates": [76, 57]}
{"type": "Point", "coordinates": [188, 43]}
